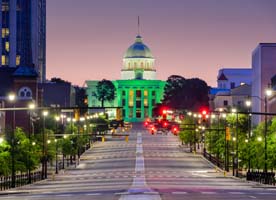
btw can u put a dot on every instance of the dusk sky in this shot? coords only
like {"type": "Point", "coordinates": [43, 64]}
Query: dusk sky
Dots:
{"type": "Point", "coordinates": [86, 39]}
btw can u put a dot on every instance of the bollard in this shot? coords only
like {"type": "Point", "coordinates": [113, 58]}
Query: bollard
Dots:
{"type": "Point", "coordinates": [103, 139]}
{"type": "Point", "coordinates": [53, 176]}
{"type": "Point", "coordinates": [126, 138]}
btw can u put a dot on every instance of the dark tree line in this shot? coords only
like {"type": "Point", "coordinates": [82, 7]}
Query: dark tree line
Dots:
{"type": "Point", "coordinates": [185, 94]}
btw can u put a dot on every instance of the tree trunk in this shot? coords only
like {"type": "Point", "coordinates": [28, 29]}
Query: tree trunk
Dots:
{"type": "Point", "coordinates": [102, 103]}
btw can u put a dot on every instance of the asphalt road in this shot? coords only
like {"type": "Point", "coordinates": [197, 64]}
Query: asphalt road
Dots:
{"type": "Point", "coordinates": [149, 167]}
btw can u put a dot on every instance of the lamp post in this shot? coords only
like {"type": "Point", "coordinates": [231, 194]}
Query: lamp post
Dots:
{"type": "Point", "coordinates": [12, 98]}
{"type": "Point", "coordinates": [268, 93]}
{"type": "Point", "coordinates": [248, 105]}
{"type": "Point", "coordinates": [31, 107]}
{"type": "Point", "coordinates": [234, 111]}
{"type": "Point", "coordinates": [44, 159]}
{"type": "Point", "coordinates": [57, 118]}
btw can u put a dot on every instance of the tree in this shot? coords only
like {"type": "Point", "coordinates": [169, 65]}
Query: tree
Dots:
{"type": "Point", "coordinates": [105, 91]}
{"type": "Point", "coordinates": [181, 93]}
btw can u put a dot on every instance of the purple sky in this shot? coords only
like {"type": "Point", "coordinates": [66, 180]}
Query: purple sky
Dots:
{"type": "Point", "coordinates": [86, 39]}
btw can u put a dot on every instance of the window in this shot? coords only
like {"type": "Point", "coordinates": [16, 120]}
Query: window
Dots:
{"type": "Point", "coordinates": [5, 60]}
{"type": "Point", "coordinates": [5, 32]}
{"type": "Point", "coordinates": [5, 6]}
{"type": "Point", "coordinates": [138, 113]}
{"type": "Point", "coordinates": [17, 59]}
{"type": "Point", "coordinates": [131, 97]}
{"type": "Point", "coordinates": [138, 94]}
{"type": "Point", "coordinates": [153, 93]}
{"type": "Point", "coordinates": [25, 93]}
{"type": "Point", "coordinates": [225, 103]}
{"type": "Point", "coordinates": [123, 102]}
{"type": "Point", "coordinates": [153, 102]}
{"type": "Point", "coordinates": [138, 104]}
{"type": "Point", "coordinates": [232, 85]}
{"type": "Point", "coordinates": [145, 93]}
{"type": "Point", "coordinates": [123, 93]}
{"type": "Point", "coordinates": [7, 46]}
{"type": "Point", "coordinates": [124, 113]}
{"type": "Point", "coordinates": [146, 103]}
{"type": "Point", "coordinates": [130, 114]}
{"type": "Point", "coordinates": [142, 65]}
{"type": "Point", "coordinates": [146, 112]}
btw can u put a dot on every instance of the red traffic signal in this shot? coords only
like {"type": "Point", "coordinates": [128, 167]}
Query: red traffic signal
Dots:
{"type": "Point", "coordinates": [175, 130]}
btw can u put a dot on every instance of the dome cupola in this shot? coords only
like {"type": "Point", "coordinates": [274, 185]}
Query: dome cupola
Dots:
{"type": "Point", "coordinates": [138, 49]}
{"type": "Point", "coordinates": [138, 57]}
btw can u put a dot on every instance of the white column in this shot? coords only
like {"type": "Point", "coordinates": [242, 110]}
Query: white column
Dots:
{"type": "Point", "coordinates": [13, 33]}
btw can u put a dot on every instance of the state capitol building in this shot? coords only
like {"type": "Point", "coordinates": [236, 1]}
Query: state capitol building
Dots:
{"type": "Point", "coordinates": [137, 91]}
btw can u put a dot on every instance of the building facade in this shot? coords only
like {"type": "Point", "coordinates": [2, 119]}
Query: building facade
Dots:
{"type": "Point", "coordinates": [23, 34]}
{"type": "Point", "coordinates": [138, 90]}
{"type": "Point", "coordinates": [264, 68]}
{"type": "Point", "coordinates": [229, 78]}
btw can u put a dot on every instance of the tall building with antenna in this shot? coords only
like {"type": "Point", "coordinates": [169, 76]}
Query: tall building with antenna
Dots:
{"type": "Point", "coordinates": [23, 34]}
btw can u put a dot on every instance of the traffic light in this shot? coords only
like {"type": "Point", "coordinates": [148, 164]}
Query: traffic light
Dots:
{"type": "Point", "coordinates": [164, 114]}
{"type": "Point", "coordinates": [152, 130]}
{"type": "Point", "coordinates": [175, 130]}
{"type": "Point", "coordinates": [204, 112]}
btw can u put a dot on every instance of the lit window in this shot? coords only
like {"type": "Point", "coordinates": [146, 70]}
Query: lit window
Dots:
{"type": "Point", "coordinates": [131, 97]}
{"type": "Point", "coordinates": [4, 60]}
{"type": "Point", "coordinates": [5, 6]}
{"type": "Point", "coordinates": [145, 93]}
{"type": "Point", "coordinates": [17, 59]}
{"type": "Point", "coordinates": [146, 103]}
{"type": "Point", "coordinates": [7, 46]}
{"type": "Point", "coordinates": [5, 32]}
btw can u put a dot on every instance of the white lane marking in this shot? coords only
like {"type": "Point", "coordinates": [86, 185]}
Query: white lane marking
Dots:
{"type": "Point", "coordinates": [93, 194]}
{"type": "Point", "coordinates": [208, 192]}
{"type": "Point", "coordinates": [265, 193]}
{"type": "Point", "coordinates": [64, 195]}
{"type": "Point", "coordinates": [179, 192]}
{"type": "Point", "coordinates": [252, 197]}
{"type": "Point", "coordinates": [139, 180]}
{"type": "Point", "coordinates": [236, 192]}
{"type": "Point", "coordinates": [151, 193]}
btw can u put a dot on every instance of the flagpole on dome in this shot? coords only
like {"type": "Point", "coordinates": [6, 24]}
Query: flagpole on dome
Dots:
{"type": "Point", "coordinates": [138, 25]}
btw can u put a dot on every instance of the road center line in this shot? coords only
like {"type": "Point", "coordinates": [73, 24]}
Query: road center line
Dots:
{"type": "Point", "coordinates": [139, 184]}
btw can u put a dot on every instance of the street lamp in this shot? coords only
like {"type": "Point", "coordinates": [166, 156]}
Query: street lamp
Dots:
{"type": "Point", "coordinates": [248, 105]}
{"type": "Point", "coordinates": [44, 160]}
{"type": "Point", "coordinates": [234, 111]}
{"type": "Point", "coordinates": [12, 98]}
{"type": "Point", "coordinates": [31, 107]}
{"type": "Point", "coordinates": [57, 119]}
{"type": "Point", "coordinates": [268, 93]}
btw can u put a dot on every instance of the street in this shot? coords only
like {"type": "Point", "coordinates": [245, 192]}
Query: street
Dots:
{"type": "Point", "coordinates": [146, 167]}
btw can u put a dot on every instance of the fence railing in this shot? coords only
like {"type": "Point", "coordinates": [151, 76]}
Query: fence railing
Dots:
{"type": "Point", "coordinates": [20, 180]}
{"type": "Point", "coordinates": [261, 177]}
{"type": "Point", "coordinates": [213, 159]}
